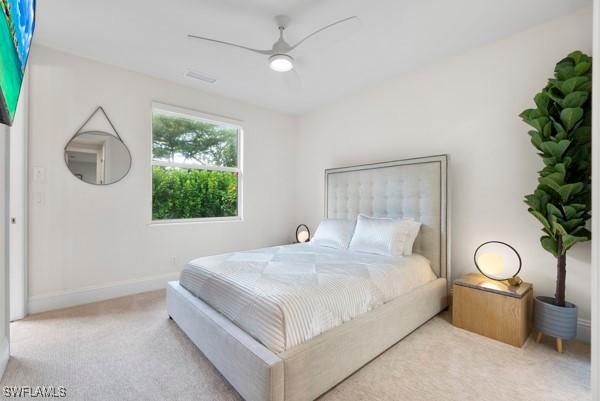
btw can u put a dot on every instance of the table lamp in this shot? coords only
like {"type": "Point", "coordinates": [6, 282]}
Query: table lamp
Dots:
{"type": "Point", "coordinates": [498, 261]}
{"type": "Point", "coordinates": [302, 233]}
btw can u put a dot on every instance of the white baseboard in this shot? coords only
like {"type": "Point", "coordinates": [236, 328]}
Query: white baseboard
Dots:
{"type": "Point", "coordinates": [4, 355]}
{"type": "Point", "coordinates": [86, 295]}
{"type": "Point", "coordinates": [584, 330]}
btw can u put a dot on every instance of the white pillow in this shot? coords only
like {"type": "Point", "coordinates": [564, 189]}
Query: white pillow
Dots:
{"type": "Point", "coordinates": [334, 233]}
{"type": "Point", "coordinates": [413, 231]}
{"type": "Point", "coordinates": [383, 236]}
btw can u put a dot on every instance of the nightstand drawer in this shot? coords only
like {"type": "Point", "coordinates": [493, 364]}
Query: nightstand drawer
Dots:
{"type": "Point", "coordinates": [501, 317]}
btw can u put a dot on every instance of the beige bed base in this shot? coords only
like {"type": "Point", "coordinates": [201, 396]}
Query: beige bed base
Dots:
{"type": "Point", "coordinates": [306, 371]}
{"type": "Point", "coordinates": [414, 188]}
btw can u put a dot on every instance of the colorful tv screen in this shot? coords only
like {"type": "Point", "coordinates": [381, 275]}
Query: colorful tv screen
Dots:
{"type": "Point", "coordinates": [17, 23]}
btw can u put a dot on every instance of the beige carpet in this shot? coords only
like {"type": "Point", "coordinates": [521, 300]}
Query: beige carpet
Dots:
{"type": "Point", "coordinates": [128, 349]}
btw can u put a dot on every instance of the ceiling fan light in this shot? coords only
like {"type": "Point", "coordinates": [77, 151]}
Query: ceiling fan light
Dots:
{"type": "Point", "coordinates": [281, 62]}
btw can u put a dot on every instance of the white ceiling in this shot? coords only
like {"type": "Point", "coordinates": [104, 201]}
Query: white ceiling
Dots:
{"type": "Point", "coordinates": [392, 38]}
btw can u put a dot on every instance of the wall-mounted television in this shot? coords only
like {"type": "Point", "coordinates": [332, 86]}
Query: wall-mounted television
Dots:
{"type": "Point", "coordinates": [17, 23]}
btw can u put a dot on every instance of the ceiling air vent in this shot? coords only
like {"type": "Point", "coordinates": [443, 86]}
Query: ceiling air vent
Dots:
{"type": "Point", "coordinates": [196, 75]}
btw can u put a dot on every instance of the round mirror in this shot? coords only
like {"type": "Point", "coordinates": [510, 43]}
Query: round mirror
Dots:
{"type": "Point", "coordinates": [97, 157]}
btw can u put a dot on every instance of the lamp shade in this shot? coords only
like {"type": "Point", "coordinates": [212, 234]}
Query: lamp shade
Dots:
{"type": "Point", "coordinates": [497, 260]}
{"type": "Point", "coordinates": [302, 233]}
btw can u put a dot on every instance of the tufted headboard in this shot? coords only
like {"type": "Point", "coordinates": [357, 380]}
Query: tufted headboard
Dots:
{"type": "Point", "coordinates": [405, 188]}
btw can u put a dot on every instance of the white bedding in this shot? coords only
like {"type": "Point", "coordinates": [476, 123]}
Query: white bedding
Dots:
{"type": "Point", "coordinates": [286, 295]}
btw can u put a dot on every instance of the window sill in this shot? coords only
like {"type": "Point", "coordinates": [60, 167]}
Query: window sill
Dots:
{"type": "Point", "coordinates": [204, 220]}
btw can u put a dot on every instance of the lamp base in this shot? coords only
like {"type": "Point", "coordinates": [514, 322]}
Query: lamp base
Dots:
{"type": "Point", "coordinates": [515, 281]}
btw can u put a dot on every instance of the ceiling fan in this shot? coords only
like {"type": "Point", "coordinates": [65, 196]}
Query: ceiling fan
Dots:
{"type": "Point", "coordinates": [279, 58]}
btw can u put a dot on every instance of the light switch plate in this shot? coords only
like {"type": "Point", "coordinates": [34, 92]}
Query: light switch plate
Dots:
{"type": "Point", "coordinates": [38, 198]}
{"type": "Point", "coordinates": [39, 174]}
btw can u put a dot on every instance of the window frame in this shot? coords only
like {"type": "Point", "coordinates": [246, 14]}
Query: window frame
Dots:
{"type": "Point", "coordinates": [210, 118]}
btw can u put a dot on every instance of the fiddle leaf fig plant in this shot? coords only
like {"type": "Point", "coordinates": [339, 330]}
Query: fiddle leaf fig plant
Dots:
{"type": "Point", "coordinates": [561, 135]}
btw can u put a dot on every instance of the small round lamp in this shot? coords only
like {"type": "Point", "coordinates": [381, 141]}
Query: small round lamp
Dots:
{"type": "Point", "coordinates": [302, 233]}
{"type": "Point", "coordinates": [498, 261]}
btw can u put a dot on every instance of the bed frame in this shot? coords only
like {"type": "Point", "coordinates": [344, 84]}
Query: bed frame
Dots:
{"type": "Point", "coordinates": [406, 188]}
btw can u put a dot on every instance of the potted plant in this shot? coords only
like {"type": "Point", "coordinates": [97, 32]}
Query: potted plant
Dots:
{"type": "Point", "coordinates": [562, 199]}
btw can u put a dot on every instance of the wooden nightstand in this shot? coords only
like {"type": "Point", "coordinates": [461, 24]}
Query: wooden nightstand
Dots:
{"type": "Point", "coordinates": [493, 308]}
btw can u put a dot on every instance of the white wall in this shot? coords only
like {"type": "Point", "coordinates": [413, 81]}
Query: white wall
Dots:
{"type": "Point", "coordinates": [4, 295]}
{"type": "Point", "coordinates": [75, 249]}
{"type": "Point", "coordinates": [18, 206]}
{"type": "Point", "coordinates": [466, 107]}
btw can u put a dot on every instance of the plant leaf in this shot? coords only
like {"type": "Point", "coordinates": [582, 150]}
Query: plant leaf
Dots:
{"type": "Point", "coordinates": [539, 123]}
{"type": "Point", "coordinates": [548, 161]}
{"type": "Point", "coordinates": [576, 56]}
{"type": "Point", "coordinates": [533, 202]}
{"type": "Point", "coordinates": [567, 190]}
{"type": "Point", "coordinates": [554, 93]}
{"type": "Point", "coordinates": [570, 117]}
{"type": "Point", "coordinates": [558, 126]}
{"type": "Point", "coordinates": [570, 212]}
{"type": "Point", "coordinates": [542, 101]}
{"type": "Point", "coordinates": [575, 99]}
{"type": "Point", "coordinates": [536, 139]}
{"type": "Point", "coordinates": [572, 84]}
{"type": "Point", "coordinates": [541, 218]}
{"type": "Point", "coordinates": [582, 67]}
{"type": "Point", "coordinates": [582, 134]}
{"type": "Point", "coordinates": [555, 149]}
{"type": "Point", "coordinates": [526, 114]}
{"type": "Point", "coordinates": [572, 224]}
{"type": "Point", "coordinates": [549, 244]}
{"type": "Point", "coordinates": [570, 240]}
{"type": "Point", "coordinates": [560, 168]}
{"type": "Point", "coordinates": [558, 229]}
{"type": "Point", "coordinates": [549, 184]}
{"type": "Point", "coordinates": [553, 210]}
{"type": "Point", "coordinates": [564, 71]}
{"type": "Point", "coordinates": [578, 206]}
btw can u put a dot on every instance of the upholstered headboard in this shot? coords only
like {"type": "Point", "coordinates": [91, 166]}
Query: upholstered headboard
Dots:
{"type": "Point", "coordinates": [405, 188]}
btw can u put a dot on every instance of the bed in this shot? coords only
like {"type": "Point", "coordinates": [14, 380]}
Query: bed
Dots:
{"type": "Point", "coordinates": [290, 322]}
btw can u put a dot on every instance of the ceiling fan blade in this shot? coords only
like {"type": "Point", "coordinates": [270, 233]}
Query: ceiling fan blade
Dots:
{"type": "Point", "coordinates": [322, 29]}
{"type": "Point", "coordinates": [267, 52]}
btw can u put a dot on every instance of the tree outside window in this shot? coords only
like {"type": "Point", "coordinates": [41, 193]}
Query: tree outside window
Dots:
{"type": "Point", "coordinates": [195, 167]}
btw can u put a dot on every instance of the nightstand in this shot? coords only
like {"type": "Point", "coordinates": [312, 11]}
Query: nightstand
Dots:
{"type": "Point", "coordinates": [493, 309]}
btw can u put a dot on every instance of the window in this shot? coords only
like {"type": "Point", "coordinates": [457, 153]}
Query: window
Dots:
{"type": "Point", "coordinates": [196, 170]}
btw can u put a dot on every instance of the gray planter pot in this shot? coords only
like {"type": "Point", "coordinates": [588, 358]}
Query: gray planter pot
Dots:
{"type": "Point", "coordinates": [553, 320]}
